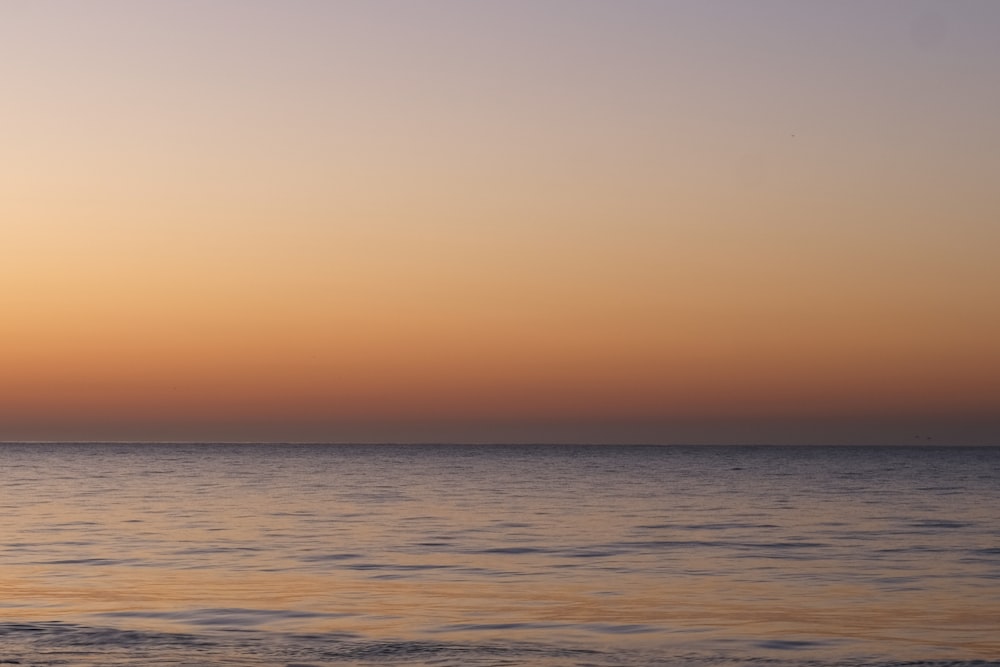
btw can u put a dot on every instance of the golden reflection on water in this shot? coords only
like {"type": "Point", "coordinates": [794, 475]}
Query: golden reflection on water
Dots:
{"type": "Point", "coordinates": [655, 558]}
{"type": "Point", "coordinates": [357, 603]}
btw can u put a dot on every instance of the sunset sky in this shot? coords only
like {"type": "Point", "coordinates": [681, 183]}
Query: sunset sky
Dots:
{"type": "Point", "coordinates": [511, 220]}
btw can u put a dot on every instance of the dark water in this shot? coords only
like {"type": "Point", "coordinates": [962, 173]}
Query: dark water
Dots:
{"type": "Point", "coordinates": [496, 555]}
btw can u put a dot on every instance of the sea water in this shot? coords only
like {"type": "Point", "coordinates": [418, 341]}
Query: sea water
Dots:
{"type": "Point", "coordinates": [218, 554]}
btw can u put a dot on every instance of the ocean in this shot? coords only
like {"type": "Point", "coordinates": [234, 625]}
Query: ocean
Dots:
{"type": "Point", "coordinates": [476, 555]}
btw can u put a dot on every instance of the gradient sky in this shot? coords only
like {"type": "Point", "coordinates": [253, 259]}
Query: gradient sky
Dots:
{"type": "Point", "coordinates": [545, 220]}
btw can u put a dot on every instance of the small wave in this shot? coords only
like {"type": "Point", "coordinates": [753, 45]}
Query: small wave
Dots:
{"type": "Point", "coordinates": [399, 567]}
{"type": "Point", "coordinates": [60, 634]}
{"type": "Point", "coordinates": [592, 554]}
{"type": "Point", "coordinates": [90, 561]}
{"type": "Point", "coordinates": [940, 523]}
{"type": "Point", "coordinates": [792, 644]}
{"type": "Point", "coordinates": [723, 544]}
{"type": "Point", "coordinates": [621, 629]}
{"type": "Point", "coordinates": [512, 550]}
{"type": "Point", "coordinates": [201, 551]}
{"type": "Point", "coordinates": [731, 526]}
{"type": "Point", "coordinates": [481, 627]}
{"type": "Point", "coordinates": [223, 617]}
{"type": "Point", "coordinates": [783, 545]}
{"type": "Point", "coordinates": [319, 558]}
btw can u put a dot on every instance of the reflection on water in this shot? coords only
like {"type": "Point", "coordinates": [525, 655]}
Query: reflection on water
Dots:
{"type": "Point", "coordinates": [476, 555]}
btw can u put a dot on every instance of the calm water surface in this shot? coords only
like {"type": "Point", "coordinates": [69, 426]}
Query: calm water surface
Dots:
{"type": "Point", "coordinates": [498, 555]}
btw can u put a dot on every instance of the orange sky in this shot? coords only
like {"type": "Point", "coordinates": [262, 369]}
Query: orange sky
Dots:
{"type": "Point", "coordinates": [572, 221]}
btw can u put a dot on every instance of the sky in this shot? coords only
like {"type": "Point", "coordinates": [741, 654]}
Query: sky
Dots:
{"type": "Point", "coordinates": [500, 221]}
